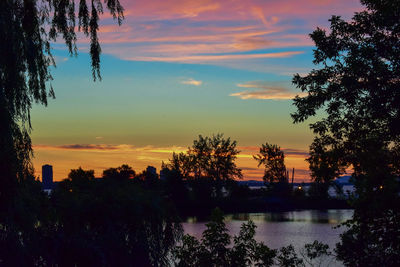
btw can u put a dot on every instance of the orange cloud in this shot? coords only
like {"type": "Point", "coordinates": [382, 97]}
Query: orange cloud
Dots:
{"type": "Point", "coordinates": [265, 90]}
{"type": "Point", "coordinates": [292, 152]}
{"type": "Point", "coordinates": [252, 43]}
{"type": "Point", "coordinates": [259, 13]}
{"type": "Point", "coordinates": [192, 82]}
{"type": "Point", "coordinates": [124, 28]}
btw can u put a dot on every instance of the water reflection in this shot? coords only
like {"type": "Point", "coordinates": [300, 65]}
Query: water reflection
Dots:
{"type": "Point", "coordinates": [278, 229]}
{"type": "Point", "coordinates": [312, 216]}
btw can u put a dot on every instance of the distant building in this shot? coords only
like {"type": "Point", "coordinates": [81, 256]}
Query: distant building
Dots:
{"type": "Point", "coordinates": [47, 178]}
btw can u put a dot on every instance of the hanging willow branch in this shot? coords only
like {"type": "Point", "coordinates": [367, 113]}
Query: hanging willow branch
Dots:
{"type": "Point", "coordinates": [27, 29]}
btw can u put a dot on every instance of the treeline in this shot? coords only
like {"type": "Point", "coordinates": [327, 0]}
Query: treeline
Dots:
{"type": "Point", "coordinates": [127, 219]}
{"type": "Point", "coordinates": [122, 221]}
{"type": "Point", "coordinates": [206, 175]}
{"type": "Point", "coordinates": [133, 219]}
{"type": "Point", "coordinates": [89, 222]}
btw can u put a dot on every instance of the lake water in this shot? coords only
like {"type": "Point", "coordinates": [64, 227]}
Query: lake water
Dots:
{"type": "Point", "coordinates": [277, 229]}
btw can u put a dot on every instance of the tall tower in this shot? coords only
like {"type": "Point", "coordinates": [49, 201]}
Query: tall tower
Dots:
{"type": "Point", "coordinates": [47, 176]}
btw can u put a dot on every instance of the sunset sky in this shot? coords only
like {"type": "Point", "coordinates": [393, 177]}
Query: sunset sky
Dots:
{"type": "Point", "coordinates": [177, 69]}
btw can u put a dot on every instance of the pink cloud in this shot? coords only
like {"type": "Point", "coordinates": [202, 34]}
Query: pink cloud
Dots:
{"type": "Point", "coordinates": [259, 13]}
{"type": "Point", "coordinates": [208, 58]}
{"type": "Point", "coordinates": [170, 9]}
{"type": "Point", "coordinates": [215, 31]}
{"type": "Point", "coordinates": [228, 9]}
{"type": "Point", "coordinates": [181, 30]}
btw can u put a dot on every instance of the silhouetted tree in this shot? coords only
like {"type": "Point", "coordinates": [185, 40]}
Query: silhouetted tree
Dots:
{"type": "Point", "coordinates": [210, 158]}
{"type": "Point", "coordinates": [325, 165]}
{"type": "Point", "coordinates": [148, 178]}
{"type": "Point", "coordinates": [27, 29]}
{"type": "Point", "coordinates": [357, 86]}
{"type": "Point", "coordinates": [121, 173]}
{"type": "Point", "coordinates": [273, 160]}
{"type": "Point", "coordinates": [181, 163]}
{"type": "Point", "coordinates": [287, 257]}
{"type": "Point", "coordinates": [214, 157]}
{"type": "Point", "coordinates": [80, 174]}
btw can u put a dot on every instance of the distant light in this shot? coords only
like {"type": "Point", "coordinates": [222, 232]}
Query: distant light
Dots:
{"type": "Point", "coordinates": [299, 187]}
{"type": "Point", "coordinates": [381, 187]}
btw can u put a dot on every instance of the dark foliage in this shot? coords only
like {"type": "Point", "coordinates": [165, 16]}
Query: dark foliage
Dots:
{"type": "Point", "coordinates": [122, 173]}
{"type": "Point", "coordinates": [273, 159]}
{"type": "Point", "coordinates": [208, 164]}
{"type": "Point", "coordinates": [325, 165]}
{"type": "Point", "coordinates": [90, 222]}
{"type": "Point", "coordinates": [214, 249]}
{"type": "Point", "coordinates": [275, 175]}
{"type": "Point", "coordinates": [357, 85]}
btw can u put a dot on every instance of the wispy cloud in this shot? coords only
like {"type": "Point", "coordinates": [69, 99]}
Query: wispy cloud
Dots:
{"type": "Point", "coordinates": [110, 148]}
{"type": "Point", "coordinates": [295, 152]}
{"type": "Point", "coordinates": [265, 90]}
{"type": "Point", "coordinates": [58, 59]}
{"type": "Point", "coordinates": [222, 10]}
{"type": "Point", "coordinates": [196, 31]}
{"type": "Point", "coordinates": [259, 13]}
{"type": "Point", "coordinates": [192, 82]}
{"type": "Point", "coordinates": [246, 151]}
{"type": "Point", "coordinates": [252, 150]}
{"type": "Point", "coordinates": [208, 58]}
{"type": "Point", "coordinates": [81, 147]}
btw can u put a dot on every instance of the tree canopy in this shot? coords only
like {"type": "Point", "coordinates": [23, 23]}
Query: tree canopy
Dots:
{"type": "Point", "coordinates": [357, 86]}
{"type": "Point", "coordinates": [211, 157]}
{"type": "Point", "coordinates": [123, 172]}
{"type": "Point", "coordinates": [273, 159]}
{"type": "Point", "coordinates": [208, 163]}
